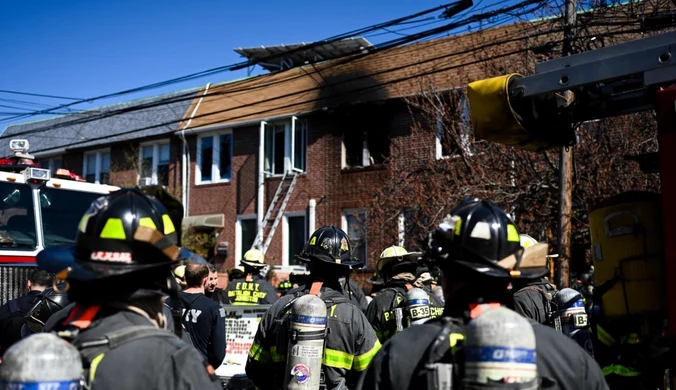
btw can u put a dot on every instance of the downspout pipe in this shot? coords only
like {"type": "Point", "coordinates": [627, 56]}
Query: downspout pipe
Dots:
{"type": "Point", "coordinates": [260, 208]}
{"type": "Point", "coordinates": [311, 216]}
{"type": "Point", "coordinates": [185, 159]}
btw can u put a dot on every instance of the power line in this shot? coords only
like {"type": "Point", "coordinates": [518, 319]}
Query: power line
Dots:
{"type": "Point", "coordinates": [39, 95]}
{"type": "Point", "coordinates": [335, 63]}
{"type": "Point", "coordinates": [357, 91]}
{"type": "Point", "coordinates": [245, 64]}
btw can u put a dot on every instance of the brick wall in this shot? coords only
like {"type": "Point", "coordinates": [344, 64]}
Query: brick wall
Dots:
{"type": "Point", "coordinates": [333, 188]}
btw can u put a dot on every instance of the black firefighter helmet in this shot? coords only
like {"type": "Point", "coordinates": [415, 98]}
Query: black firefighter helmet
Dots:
{"type": "Point", "coordinates": [121, 233]}
{"type": "Point", "coordinates": [45, 304]}
{"type": "Point", "coordinates": [330, 245]}
{"type": "Point", "coordinates": [480, 236]}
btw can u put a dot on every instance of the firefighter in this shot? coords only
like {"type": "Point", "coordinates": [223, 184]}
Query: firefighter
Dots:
{"type": "Point", "coordinates": [477, 247]}
{"type": "Point", "coordinates": [118, 270]}
{"type": "Point", "coordinates": [533, 298]}
{"type": "Point", "coordinates": [252, 288]}
{"type": "Point", "coordinates": [351, 342]}
{"type": "Point", "coordinates": [386, 312]}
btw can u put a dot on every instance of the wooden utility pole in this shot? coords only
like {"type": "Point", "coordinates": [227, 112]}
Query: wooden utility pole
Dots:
{"type": "Point", "coordinates": [566, 167]}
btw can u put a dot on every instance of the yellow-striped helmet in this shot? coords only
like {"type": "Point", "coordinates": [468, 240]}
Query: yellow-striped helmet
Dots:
{"type": "Point", "coordinates": [123, 232]}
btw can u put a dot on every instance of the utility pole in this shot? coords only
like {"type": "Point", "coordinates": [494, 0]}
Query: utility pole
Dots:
{"type": "Point", "coordinates": [565, 231]}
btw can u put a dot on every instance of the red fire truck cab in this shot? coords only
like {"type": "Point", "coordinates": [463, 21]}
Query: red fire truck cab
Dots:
{"type": "Point", "coordinates": [37, 209]}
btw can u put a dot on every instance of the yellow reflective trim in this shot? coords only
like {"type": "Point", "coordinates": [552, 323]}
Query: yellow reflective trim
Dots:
{"type": "Point", "coordinates": [361, 362]}
{"type": "Point", "coordinates": [604, 336]}
{"type": "Point", "coordinates": [458, 226]}
{"type": "Point", "coordinates": [147, 222]}
{"type": "Point", "coordinates": [94, 366]}
{"type": "Point", "coordinates": [277, 357]}
{"type": "Point", "coordinates": [453, 340]}
{"type": "Point", "coordinates": [313, 240]}
{"type": "Point", "coordinates": [113, 229]}
{"type": "Point", "coordinates": [168, 225]}
{"type": "Point", "coordinates": [258, 354]}
{"type": "Point", "coordinates": [333, 311]}
{"type": "Point", "coordinates": [620, 370]}
{"type": "Point", "coordinates": [83, 223]}
{"type": "Point", "coordinates": [512, 234]}
{"type": "Point", "coordinates": [337, 359]}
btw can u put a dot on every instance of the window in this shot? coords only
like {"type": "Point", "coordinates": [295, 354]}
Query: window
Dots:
{"type": "Point", "coordinates": [17, 219]}
{"type": "Point", "coordinates": [214, 158]}
{"type": "Point", "coordinates": [97, 167]}
{"type": "Point", "coordinates": [354, 224]}
{"type": "Point", "coordinates": [61, 213]}
{"type": "Point", "coordinates": [285, 146]}
{"type": "Point", "coordinates": [366, 140]}
{"type": "Point", "coordinates": [295, 237]}
{"type": "Point", "coordinates": [446, 144]}
{"type": "Point", "coordinates": [245, 232]}
{"type": "Point", "coordinates": [154, 164]}
{"type": "Point", "coordinates": [52, 163]}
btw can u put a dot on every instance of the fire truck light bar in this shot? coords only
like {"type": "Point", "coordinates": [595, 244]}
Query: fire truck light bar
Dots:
{"type": "Point", "coordinates": [37, 174]}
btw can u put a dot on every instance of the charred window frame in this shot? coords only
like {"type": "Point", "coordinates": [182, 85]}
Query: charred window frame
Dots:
{"type": "Point", "coordinates": [366, 137]}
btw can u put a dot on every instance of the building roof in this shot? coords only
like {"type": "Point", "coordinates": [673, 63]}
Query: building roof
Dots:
{"type": "Point", "coordinates": [105, 125]}
{"type": "Point", "coordinates": [402, 71]}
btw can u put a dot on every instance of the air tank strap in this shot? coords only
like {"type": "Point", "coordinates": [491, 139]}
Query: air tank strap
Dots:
{"type": "Point", "coordinates": [82, 316]}
{"type": "Point", "coordinates": [476, 309]}
{"type": "Point", "coordinates": [316, 287]}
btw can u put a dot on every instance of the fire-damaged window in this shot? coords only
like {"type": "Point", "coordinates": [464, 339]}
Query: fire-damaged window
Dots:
{"type": "Point", "coordinates": [453, 129]}
{"type": "Point", "coordinates": [366, 138]}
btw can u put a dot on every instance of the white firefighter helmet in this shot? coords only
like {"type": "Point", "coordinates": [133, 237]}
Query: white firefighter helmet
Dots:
{"type": "Point", "coordinates": [395, 253]}
{"type": "Point", "coordinates": [527, 241]}
{"type": "Point", "coordinates": [254, 258]}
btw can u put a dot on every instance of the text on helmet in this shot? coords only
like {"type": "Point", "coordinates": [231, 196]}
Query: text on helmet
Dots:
{"type": "Point", "coordinates": [113, 257]}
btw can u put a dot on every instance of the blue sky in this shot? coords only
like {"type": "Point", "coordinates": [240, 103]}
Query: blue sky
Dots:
{"type": "Point", "coordinates": [87, 48]}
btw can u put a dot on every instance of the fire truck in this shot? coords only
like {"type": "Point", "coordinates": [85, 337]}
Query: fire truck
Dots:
{"type": "Point", "coordinates": [37, 209]}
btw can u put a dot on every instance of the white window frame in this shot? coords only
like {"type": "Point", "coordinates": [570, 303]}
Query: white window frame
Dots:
{"type": "Point", "coordinates": [239, 253]}
{"type": "Point", "coordinates": [464, 135]}
{"type": "Point", "coordinates": [289, 145]}
{"type": "Point", "coordinates": [156, 159]}
{"type": "Point", "coordinates": [345, 227]}
{"type": "Point", "coordinates": [97, 153]}
{"type": "Point", "coordinates": [285, 233]}
{"type": "Point", "coordinates": [215, 158]}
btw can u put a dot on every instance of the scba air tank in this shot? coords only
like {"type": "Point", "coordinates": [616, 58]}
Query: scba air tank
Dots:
{"type": "Point", "coordinates": [417, 306]}
{"type": "Point", "coordinates": [307, 331]}
{"type": "Point", "coordinates": [41, 361]}
{"type": "Point", "coordinates": [500, 352]}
